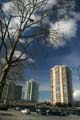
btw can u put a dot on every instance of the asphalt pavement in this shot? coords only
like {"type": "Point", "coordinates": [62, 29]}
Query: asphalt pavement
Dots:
{"type": "Point", "coordinates": [17, 115]}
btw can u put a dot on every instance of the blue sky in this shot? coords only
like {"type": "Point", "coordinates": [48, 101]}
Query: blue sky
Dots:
{"type": "Point", "coordinates": [66, 51]}
{"type": "Point", "coordinates": [46, 57]}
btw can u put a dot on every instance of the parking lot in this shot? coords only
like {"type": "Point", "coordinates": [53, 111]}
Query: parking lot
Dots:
{"type": "Point", "coordinates": [17, 115]}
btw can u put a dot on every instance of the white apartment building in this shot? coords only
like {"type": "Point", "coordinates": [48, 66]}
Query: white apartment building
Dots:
{"type": "Point", "coordinates": [31, 91]}
{"type": "Point", "coordinates": [61, 85]}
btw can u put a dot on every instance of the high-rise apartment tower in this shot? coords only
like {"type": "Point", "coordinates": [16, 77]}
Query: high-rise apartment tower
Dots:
{"type": "Point", "coordinates": [61, 85]}
{"type": "Point", "coordinates": [31, 91]}
{"type": "Point", "coordinates": [8, 95]}
{"type": "Point", "coordinates": [18, 92]}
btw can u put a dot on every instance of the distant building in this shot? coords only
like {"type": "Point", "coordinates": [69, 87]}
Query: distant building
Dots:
{"type": "Point", "coordinates": [18, 92]}
{"type": "Point", "coordinates": [61, 85]}
{"type": "Point", "coordinates": [8, 95]}
{"type": "Point", "coordinates": [31, 91]}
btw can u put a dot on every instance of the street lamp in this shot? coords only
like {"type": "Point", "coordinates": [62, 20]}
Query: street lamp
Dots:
{"type": "Point", "coordinates": [78, 69]}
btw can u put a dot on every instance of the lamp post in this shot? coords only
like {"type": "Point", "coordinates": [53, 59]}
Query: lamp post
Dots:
{"type": "Point", "coordinates": [78, 69]}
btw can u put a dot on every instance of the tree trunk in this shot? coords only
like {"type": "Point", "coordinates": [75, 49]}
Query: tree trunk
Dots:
{"type": "Point", "coordinates": [3, 79]}
{"type": "Point", "coordinates": [1, 91]}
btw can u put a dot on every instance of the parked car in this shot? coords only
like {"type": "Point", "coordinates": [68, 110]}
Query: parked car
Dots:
{"type": "Point", "coordinates": [38, 110]}
{"type": "Point", "coordinates": [49, 112]}
{"type": "Point", "coordinates": [62, 113]}
{"type": "Point", "coordinates": [26, 111]}
{"type": "Point", "coordinates": [75, 112]}
{"type": "Point", "coordinates": [56, 112]}
{"type": "Point", "coordinates": [17, 108]}
{"type": "Point", "coordinates": [3, 106]}
{"type": "Point", "coordinates": [43, 112]}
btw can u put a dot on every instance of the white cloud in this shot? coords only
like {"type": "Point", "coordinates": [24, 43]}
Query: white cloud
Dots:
{"type": "Point", "coordinates": [66, 7]}
{"type": "Point", "coordinates": [22, 41]}
{"type": "Point", "coordinates": [50, 3]}
{"type": "Point", "coordinates": [18, 53]}
{"type": "Point", "coordinates": [30, 60]}
{"type": "Point", "coordinates": [2, 60]}
{"type": "Point", "coordinates": [76, 15]}
{"type": "Point", "coordinates": [23, 56]}
{"type": "Point", "coordinates": [63, 28]}
{"type": "Point", "coordinates": [8, 8]}
{"type": "Point", "coordinates": [15, 23]}
{"type": "Point", "coordinates": [76, 95]}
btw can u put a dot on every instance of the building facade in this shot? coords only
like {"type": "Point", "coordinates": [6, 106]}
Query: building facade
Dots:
{"type": "Point", "coordinates": [18, 93]}
{"type": "Point", "coordinates": [31, 91]}
{"type": "Point", "coordinates": [8, 95]}
{"type": "Point", "coordinates": [61, 85]}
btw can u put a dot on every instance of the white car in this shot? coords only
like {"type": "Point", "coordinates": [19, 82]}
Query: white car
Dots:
{"type": "Point", "coordinates": [26, 111]}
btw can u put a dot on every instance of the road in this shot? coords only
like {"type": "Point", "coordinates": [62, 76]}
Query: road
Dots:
{"type": "Point", "coordinates": [17, 115]}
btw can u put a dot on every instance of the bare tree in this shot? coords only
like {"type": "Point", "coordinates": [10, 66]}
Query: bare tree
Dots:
{"type": "Point", "coordinates": [14, 40]}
